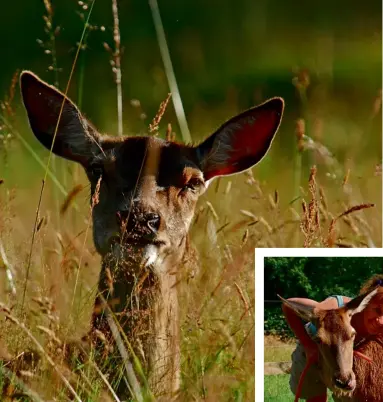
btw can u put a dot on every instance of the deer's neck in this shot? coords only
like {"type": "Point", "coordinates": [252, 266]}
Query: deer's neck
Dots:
{"type": "Point", "coordinates": [144, 300]}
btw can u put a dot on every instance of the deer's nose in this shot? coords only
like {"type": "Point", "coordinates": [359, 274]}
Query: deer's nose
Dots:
{"type": "Point", "coordinates": [346, 384]}
{"type": "Point", "coordinates": [141, 222]}
{"type": "Point", "coordinates": [153, 222]}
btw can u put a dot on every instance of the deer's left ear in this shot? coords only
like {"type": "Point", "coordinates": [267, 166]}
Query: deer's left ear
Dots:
{"type": "Point", "coordinates": [74, 137]}
{"type": "Point", "coordinates": [242, 141]}
{"type": "Point", "coordinates": [360, 302]}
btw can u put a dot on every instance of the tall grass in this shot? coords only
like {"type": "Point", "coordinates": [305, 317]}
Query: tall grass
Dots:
{"type": "Point", "coordinates": [59, 268]}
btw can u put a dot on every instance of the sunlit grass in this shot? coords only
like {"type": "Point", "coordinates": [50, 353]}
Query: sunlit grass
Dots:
{"type": "Point", "coordinates": [261, 208]}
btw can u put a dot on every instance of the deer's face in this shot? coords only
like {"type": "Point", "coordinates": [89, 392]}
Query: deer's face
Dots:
{"type": "Point", "coordinates": [147, 187]}
{"type": "Point", "coordinates": [148, 190]}
{"type": "Point", "coordinates": [335, 338]}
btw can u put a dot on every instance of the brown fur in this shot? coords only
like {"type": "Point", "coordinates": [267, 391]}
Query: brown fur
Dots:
{"type": "Point", "coordinates": [369, 377]}
{"type": "Point", "coordinates": [335, 339]}
{"type": "Point", "coordinates": [146, 191]}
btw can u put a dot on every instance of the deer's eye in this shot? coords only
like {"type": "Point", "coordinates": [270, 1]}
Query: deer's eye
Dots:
{"type": "Point", "coordinates": [96, 170]}
{"type": "Point", "coordinates": [378, 310]}
{"type": "Point", "coordinates": [316, 339]}
{"type": "Point", "coordinates": [192, 185]}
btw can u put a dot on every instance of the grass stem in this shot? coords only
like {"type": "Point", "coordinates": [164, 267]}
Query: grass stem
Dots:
{"type": "Point", "coordinates": [50, 152]}
{"type": "Point", "coordinates": [117, 64]}
{"type": "Point", "coordinates": [164, 49]}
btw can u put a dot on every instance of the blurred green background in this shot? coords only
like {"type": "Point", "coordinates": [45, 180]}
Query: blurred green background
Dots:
{"type": "Point", "coordinates": [315, 278]}
{"type": "Point", "coordinates": [227, 56]}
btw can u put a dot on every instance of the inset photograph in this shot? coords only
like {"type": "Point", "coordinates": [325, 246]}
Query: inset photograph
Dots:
{"type": "Point", "coordinates": [323, 329]}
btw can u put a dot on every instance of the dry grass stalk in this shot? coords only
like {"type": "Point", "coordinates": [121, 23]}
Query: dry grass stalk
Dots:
{"type": "Point", "coordinates": [52, 336]}
{"type": "Point", "coordinates": [244, 301]}
{"type": "Point", "coordinates": [331, 236]}
{"type": "Point", "coordinates": [354, 209]}
{"type": "Point", "coordinates": [40, 224]}
{"type": "Point", "coordinates": [311, 220]}
{"type": "Point", "coordinates": [95, 201]}
{"type": "Point", "coordinates": [96, 195]}
{"type": "Point", "coordinates": [117, 331]}
{"type": "Point", "coordinates": [248, 214]}
{"type": "Point", "coordinates": [8, 270]}
{"type": "Point", "coordinates": [50, 155]}
{"type": "Point", "coordinates": [105, 380]}
{"type": "Point", "coordinates": [300, 133]}
{"type": "Point", "coordinates": [41, 349]}
{"type": "Point", "coordinates": [50, 46]}
{"type": "Point", "coordinates": [346, 178]}
{"type": "Point", "coordinates": [377, 106]}
{"type": "Point", "coordinates": [117, 63]}
{"type": "Point", "coordinates": [170, 135]}
{"type": "Point", "coordinates": [10, 375]}
{"type": "Point", "coordinates": [276, 197]}
{"type": "Point", "coordinates": [212, 210]}
{"type": "Point", "coordinates": [6, 104]}
{"type": "Point", "coordinates": [245, 237]}
{"type": "Point", "coordinates": [378, 170]}
{"type": "Point", "coordinates": [273, 204]}
{"type": "Point", "coordinates": [323, 198]}
{"type": "Point", "coordinates": [153, 126]}
{"type": "Point", "coordinates": [228, 187]}
{"type": "Point", "coordinates": [310, 223]}
{"type": "Point", "coordinates": [266, 224]}
{"type": "Point", "coordinates": [70, 198]}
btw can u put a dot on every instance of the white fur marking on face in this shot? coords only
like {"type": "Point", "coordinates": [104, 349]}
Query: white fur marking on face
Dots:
{"type": "Point", "coordinates": [150, 255]}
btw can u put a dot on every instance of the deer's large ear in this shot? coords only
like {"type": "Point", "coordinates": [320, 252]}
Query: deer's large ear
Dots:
{"type": "Point", "coordinates": [76, 139]}
{"type": "Point", "coordinates": [241, 142]}
{"type": "Point", "coordinates": [360, 302]}
{"type": "Point", "coordinates": [304, 311]}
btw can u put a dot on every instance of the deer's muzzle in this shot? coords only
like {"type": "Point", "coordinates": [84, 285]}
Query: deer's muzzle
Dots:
{"type": "Point", "coordinates": [345, 383]}
{"type": "Point", "coordinates": [138, 225]}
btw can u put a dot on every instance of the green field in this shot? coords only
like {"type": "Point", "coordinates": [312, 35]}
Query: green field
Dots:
{"type": "Point", "coordinates": [277, 389]}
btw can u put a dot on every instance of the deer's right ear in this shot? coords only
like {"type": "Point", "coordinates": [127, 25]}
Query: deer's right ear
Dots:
{"type": "Point", "coordinates": [360, 302]}
{"type": "Point", "coordinates": [241, 142]}
{"type": "Point", "coordinates": [75, 138]}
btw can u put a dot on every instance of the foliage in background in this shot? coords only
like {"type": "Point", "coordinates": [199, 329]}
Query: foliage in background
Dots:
{"type": "Point", "coordinates": [314, 278]}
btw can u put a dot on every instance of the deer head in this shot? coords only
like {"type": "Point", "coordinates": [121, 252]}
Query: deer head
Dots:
{"type": "Point", "coordinates": [335, 338]}
{"type": "Point", "coordinates": [148, 187]}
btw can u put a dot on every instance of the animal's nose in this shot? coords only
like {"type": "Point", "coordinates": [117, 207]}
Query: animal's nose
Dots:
{"type": "Point", "coordinates": [145, 223]}
{"type": "Point", "coordinates": [348, 383]}
{"type": "Point", "coordinates": [153, 222]}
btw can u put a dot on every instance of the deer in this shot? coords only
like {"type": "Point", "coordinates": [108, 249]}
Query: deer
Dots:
{"type": "Point", "coordinates": [147, 189]}
{"type": "Point", "coordinates": [352, 371]}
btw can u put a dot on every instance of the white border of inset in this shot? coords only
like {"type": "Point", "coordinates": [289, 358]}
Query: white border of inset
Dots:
{"type": "Point", "coordinates": [260, 254]}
